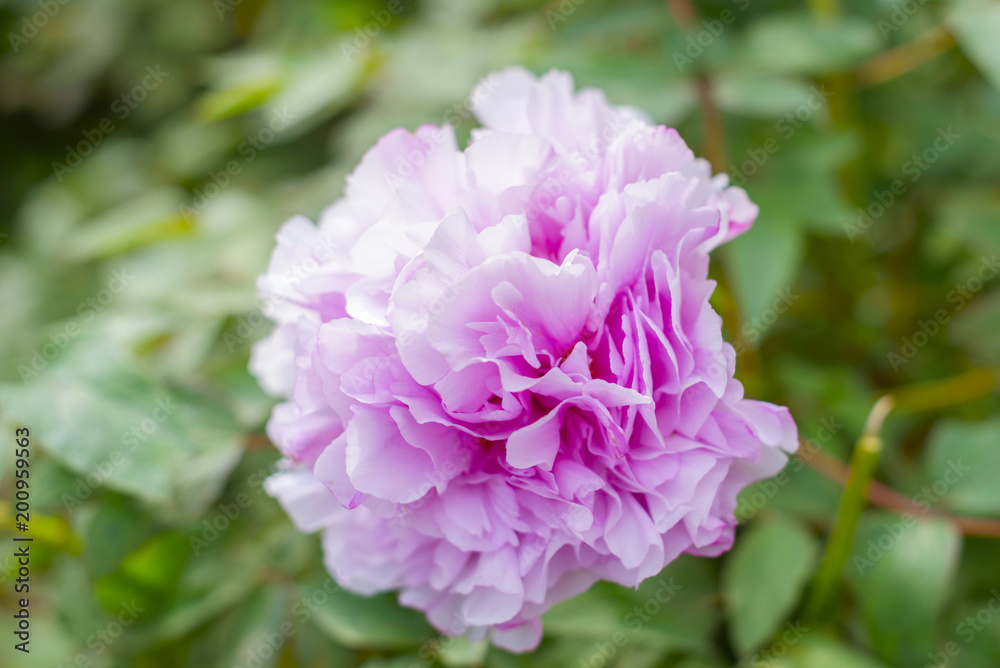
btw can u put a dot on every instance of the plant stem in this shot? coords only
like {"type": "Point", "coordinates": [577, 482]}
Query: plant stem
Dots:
{"type": "Point", "coordinates": [714, 147]}
{"type": "Point", "coordinates": [906, 57]}
{"type": "Point", "coordinates": [864, 461]}
{"type": "Point", "coordinates": [889, 499]}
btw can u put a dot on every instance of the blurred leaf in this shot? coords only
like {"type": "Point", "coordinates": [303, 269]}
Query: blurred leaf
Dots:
{"type": "Point", "coordinates": [237, 99]}
{"type": "Point", "coordinates": [151, 218]}
{"type": "Point", "coordinates": [976, 24]}
{"type": "Point", "coordinates": [116, 529]}
{"type": "Point", "coordinates": [961, 467]}
{"type": "Point", "coordinates": [759, 95]}
{"type": "Point", "coordinates": [461, 652]}
{"type": "Point", "coordinates": [404, 661]}
{"type": "Point", "coordinates": [969, 217]}
{"type": "Point", "coordinates": [902, 572]}
{"type": "Point", "coordinates": [356, 621]}
{"type": "Point", "coordinates": [58, 648]}
{"type": "Point", "coordinates": [807, 44]}
{"type": "Point", "coordinates": [974, 328]}
{"type": "Point", "coordinates": [256, 633]}
{"type": "Point", "coordinates": [171, 449]}
{"type": "Point", "coordinates": [212, 583]}
{"type": "Point", "coordinates": [761, 266]}
{"type": "Point", "coordinates": [312, 649]}
{"type": "Point", "coordinates": [80, 613]}
{"type": "Point", "coordinates": [318, 87]}
{"type": "Point", "coordinates": [972, 643]}
{"type": "Point", "coordinates": [762, 580]}
{"type": "Point", "coordinates": [818, 651]}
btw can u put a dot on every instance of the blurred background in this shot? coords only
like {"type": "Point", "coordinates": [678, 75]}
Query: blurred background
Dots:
{"type": "Point", "coordinates": [151, 148]}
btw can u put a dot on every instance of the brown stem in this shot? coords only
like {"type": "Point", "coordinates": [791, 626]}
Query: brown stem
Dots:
{"type": "Point", "coordinates": [889, 499]}
{"type": "Point", "coordinates": [714, 149]}
{"type": "Point", "coordinates": [683, 12]}
{"type": "Point", "coordinates": [711, 121]}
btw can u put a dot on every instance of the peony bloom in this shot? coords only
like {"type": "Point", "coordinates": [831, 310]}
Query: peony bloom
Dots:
{"type": "Point", "coordinates": [502, 377]}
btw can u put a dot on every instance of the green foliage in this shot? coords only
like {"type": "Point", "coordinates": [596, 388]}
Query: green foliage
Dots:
{"type": "Point", "coordinates": [763, 580]}
{"type": "Point", "coordinates": [903, 571]}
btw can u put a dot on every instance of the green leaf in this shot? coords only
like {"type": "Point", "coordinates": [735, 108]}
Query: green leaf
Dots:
{"type": "Point", "coordinates": [972, 644]}
{"type": "Point", "coordinates": [902, 572]}
{"type": "Point", "coordinates": [212, 583]}
{"type": "Point", "coordinates": [312, 649]}
{"type": "Point", "coordinates": [976, 25]}
{"type": "Point", "coordinates": [975, 328]}
{"type": "Point", "coordinates": [101, 415]}
{"type": "Point", "coordinates": [763, 578]}
{"type": "Point", "coordinates": [237, 99]}
{"type": "Point", "coordinates": [460, 653]}
{"type": "Point", "coordinates": [116, 529]}
{"type": "Point", "coordinates": [758, 95]}
{"type": "Point", "coordinates": [317, 87]}
{"type": "Point", "coordinates": [59, 646]}
{"type": "Point", "coordinates": [762, 265]}
{"type": "Point", "coordinates": [256, 633]}
{"type": "Point", "coordinates": [669, 611]}
{"type": "Point", "coordinates": [815, 651]}
{"type": "Point", "coordinates": [961, 466]}
{"type": "Point", "coordinates": [356, 621]}
{"type": "Point", "coordinates": [804, 43]}
{"type": "Point", "coordinates": [967, 218]}
{"type": "Point", "coordinates": [151, 218]}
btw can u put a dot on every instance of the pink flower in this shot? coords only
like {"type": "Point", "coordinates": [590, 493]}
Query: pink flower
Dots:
{"type": "Point", "coordinates": [503, 378]}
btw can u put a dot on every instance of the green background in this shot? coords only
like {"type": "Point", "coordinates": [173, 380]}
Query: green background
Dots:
{"type": "Point", "coordinates": [153, 542]}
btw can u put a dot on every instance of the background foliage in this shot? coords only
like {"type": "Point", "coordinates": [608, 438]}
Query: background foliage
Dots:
{"type": "Point", "coordinates": [139, 196]}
